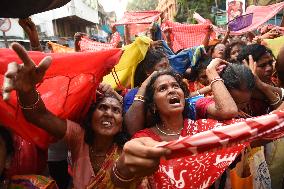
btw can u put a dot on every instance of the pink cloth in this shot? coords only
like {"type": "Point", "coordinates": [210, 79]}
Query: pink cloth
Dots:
{"type": "Point", "coordinates": [261, 14]}
{"type": "Point", "coordinates": [139, 17]}
{"type": "Point", "coordinates": [88, 45]}
{"type": "Point", "coordinates": [202, 106]}
{"type": "Point", "coordinates": [186, 35]}
{"type": "Point", "coordinates": [83, 173]}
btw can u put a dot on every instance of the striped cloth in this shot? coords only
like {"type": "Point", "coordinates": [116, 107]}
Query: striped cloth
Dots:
{"type": "Point", "coordinates": [269, 126]}
{"type": "Point", "coordinates": [88, 45]}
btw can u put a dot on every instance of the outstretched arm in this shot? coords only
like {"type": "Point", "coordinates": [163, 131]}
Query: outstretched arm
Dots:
{"type": "Point", "coordinates": [30, 29]}
{"type": "Point", "coordinates": [23, 78]}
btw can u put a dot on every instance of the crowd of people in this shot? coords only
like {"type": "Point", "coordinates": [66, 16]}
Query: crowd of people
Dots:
{"type": "Point", "coordinates": [116, 144]}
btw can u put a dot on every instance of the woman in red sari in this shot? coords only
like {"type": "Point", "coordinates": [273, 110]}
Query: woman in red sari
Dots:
{"type": "Point", "coordinates": [165, 98]}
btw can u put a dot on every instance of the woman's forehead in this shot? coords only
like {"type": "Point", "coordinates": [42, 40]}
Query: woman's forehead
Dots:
{"type": "Point", "coordinates": [164, 79]}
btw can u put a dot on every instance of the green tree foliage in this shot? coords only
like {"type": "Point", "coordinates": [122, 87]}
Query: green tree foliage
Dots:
{"type": "Point", "coordinates": [186, 8]}
{"type": "Point", "coordinates": [137, 5]}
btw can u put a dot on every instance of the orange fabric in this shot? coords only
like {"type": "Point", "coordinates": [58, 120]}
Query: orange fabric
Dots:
{"type": "Point", "coordinates": [56, 48]}
{"type": "Point", "coordinates": [240, 183]}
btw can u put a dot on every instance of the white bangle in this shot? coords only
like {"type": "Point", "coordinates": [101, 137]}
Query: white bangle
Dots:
{"type": "Point", "coordinates": [216, 79]}
{"type": "Point", "coordinates": [282, 93]}
{"type": "Point", "coordinates": [30, 107]}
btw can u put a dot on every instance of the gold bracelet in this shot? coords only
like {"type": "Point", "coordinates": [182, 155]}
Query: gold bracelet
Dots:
{"type": "Point", "coordinates": [119, 176]}
{"type": "Point", "coordinates": [30, 107]}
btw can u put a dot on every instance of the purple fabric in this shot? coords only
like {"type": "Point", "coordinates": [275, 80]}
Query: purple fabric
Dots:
{"type": "Point", "coordinates": [240, 22]}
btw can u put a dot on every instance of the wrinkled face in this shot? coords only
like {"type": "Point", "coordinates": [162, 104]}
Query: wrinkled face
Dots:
{"type": "Point", "coordinates": [241, 97]}
{"type": "Point", "coordinates": [202, 78]}
{"type": "Point", "coordinates": [235, 52]}
{"type": "Point", "coordinates": [218, 51]}
{"type": "Point", "coordinates": [168, 96]}
{"type": "Point", "coordinates": [264, 67]}
{"type": "Point", "coordinates": [3, 155]}
{"type": "Point", "coordinates": [107, 118]}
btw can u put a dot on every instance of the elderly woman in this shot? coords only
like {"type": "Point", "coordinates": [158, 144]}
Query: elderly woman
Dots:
{"type": "Point", "coordinates": [94, 146]}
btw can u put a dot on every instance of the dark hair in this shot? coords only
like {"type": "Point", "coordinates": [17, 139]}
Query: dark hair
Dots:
{"type": "Point", "coordinates": [256, 50]}
{"type": "Point", "coordinates": [229, 47]}
{"type": "Point", "coordinates": [150, 90]}
{"type": "Point", "coordinates": [8, 139]}
{"type": "Point", "coordinates": [152, 57]}
{"type": "Point", "coordinates": [238, 76]}
{"type": "Point", "coordinates": [120, 138]}
{"type": "Point", "coordinates": [9, 145]}
{"type": "Point", "coordinates": [202, 64]}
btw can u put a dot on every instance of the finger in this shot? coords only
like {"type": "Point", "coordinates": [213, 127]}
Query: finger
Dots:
{"type": "Point", "coordinates": [251, 61]}
{"type": "Point", "coordinates": [7, 88]}
{"type": "Point", "coordinates": [44, 65]}
{"type": "Point", "coordinates": [12, 70]}
{"type": "Point", "coordinates": [245, 62]}
{"type": "Point", "coordinates": [22, 53]}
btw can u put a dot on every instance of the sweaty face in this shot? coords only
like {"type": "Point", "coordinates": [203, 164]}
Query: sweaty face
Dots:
{"type": "Point", "coordinates": [107, 118]}
{"type": "Point", "coordinates": [241, 98]}
{"type": "Point", "coordinates": [168, 96]}
{"type": "Point", "coordinates": [3, 155]}
{"type": "Point", "coordinates": [218, 51]}
{"type": "Point", "coordinates": [264, 67]}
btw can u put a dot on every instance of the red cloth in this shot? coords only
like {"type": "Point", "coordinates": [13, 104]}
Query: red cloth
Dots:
{"type": "Point", "coordinates": [202, 106]}
{"type": "Point", "coordinates": [28, 159]}
{"type": "Point", "coordinates": [139, 17]}
{"type": "Point", "coordinates": [88, 45]}
{"type": "Point", "coordinates": [186, 35]}
{"type": "Point", "coordinates": [67, 88]}
{"type": "Point", "coordinates": [198, 171]}
{"type": "Point", "coordinates": [208, 147]}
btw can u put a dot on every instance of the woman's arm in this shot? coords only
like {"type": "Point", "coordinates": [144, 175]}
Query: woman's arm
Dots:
{"type": "Point", "coordinates": [136, 112]}
{"type": "Point", "coordinates": [205, 41]}
{"type": "Point", "coordinates": [201, 91]}
{"type": "Point", "coordinates": [225, 39]}
{"type": "Point", "coordinates": [23, 78]}
{"type": "Point", "coordinates": [30, 29]}
{"type": "Point", "coordinates": [224, 106]}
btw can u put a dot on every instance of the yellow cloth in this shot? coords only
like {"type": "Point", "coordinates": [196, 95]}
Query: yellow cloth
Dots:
{"type": "Point", "coordinates": [274, 44]}
{"type": "Point", "coordinates": [56, 48]}
{"type": "Point", "coordinates": [133, 54]}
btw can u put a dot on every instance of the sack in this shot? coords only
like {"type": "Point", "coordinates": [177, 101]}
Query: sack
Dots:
{"type": "Point", "coordinates": [240, 175]}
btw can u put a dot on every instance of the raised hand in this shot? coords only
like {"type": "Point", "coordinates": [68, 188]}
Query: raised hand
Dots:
{"type": "Point", "coordinates": [23, 77]}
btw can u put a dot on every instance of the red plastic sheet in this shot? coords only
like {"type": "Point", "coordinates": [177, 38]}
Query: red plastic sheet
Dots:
{"type": "Point", "coordinates": [67, 88]}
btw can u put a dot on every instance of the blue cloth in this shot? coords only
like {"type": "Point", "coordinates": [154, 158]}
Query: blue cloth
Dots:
{"type": "Point", "coordinates": [191, 109]}
{"type": "Point", "coordinates": [158, 33]}
{"type": "Point", "coordinates": [184, 59]}
{"type": "Point", "coordinates": [129, 98]}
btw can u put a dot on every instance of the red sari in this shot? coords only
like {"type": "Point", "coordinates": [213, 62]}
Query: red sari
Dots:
{"type": "Point", "coordinates": [198, 171]}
